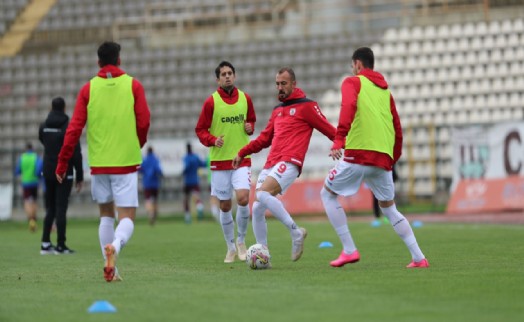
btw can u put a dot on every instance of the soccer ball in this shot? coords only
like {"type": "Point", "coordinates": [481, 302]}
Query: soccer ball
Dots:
{"type": "Point", "coordinates": [258, 257]}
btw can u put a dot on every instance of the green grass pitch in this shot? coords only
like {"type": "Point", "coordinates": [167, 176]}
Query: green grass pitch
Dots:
{"type": "Point", "coordinates": [175, 272]}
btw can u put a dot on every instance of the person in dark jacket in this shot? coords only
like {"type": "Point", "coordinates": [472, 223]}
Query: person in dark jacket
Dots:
{"type": "Point", "coordinates": [151, 179]}
{"type": "Point", "coordinates": [51, 134]}
{"type": "Point", "coordinates": [192, 163]}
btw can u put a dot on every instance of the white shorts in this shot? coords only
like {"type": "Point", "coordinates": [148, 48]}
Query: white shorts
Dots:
{"type": "Point", "coordinates": [120, 188]}
{"type": "Point", "coordinates": [223, 182]}
{"type": "Point", "coordinates": [284, 173]}
{"type": "Point", "coordinates": [346, 178]}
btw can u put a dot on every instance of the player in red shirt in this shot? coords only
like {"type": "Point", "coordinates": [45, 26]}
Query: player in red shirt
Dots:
{"type": "Point", "coordinates": [224, 125]}
{"type": "Point", "coordinates": [106, 104]}
{"type": "Point", "coordinates": [288, 132]}
{"type": "Point", "coordinates": [368, 143]}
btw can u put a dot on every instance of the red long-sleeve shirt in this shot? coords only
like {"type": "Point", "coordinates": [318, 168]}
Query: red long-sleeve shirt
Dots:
{"type": "Point", "coordinates": [79, 119]}
{"type": "Point", "coordinates": [206, 118]}
{"type": "Point", "coordinates": [289, 130]}
{"type": "Point", "coordinates": [350, 89]}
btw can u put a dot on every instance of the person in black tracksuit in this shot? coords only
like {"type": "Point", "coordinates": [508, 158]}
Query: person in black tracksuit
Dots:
{"type": "Point", "coordinates": [51, 134]}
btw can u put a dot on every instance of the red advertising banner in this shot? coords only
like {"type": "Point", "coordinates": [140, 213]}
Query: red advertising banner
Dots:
{"type": "Point", "coordinates": [487, 195]}
{"type": "Point", "coordinates": [303, 197]}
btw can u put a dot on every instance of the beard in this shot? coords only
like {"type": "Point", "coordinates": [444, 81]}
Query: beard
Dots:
{"type": "Point", "coordinates": [228, 88]}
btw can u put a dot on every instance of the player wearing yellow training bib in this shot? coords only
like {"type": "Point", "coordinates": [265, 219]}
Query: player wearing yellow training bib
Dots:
{"type": "Point", "coordinates": [113, 106]}
{"type": "Point", "coordinates": [225, 123]}
{"type": "Point", "coordinates": [368, 143]}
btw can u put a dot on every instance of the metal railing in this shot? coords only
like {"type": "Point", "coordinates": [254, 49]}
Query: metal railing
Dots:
{"type": "Point", "coordinates": [344, 16]}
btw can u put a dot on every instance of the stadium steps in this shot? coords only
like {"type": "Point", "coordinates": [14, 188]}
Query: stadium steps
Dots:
{"type": "Point", "coordinates": [13, 40]}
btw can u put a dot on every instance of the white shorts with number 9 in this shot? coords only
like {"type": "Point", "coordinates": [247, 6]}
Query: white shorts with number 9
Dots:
{"type": "Point", "coordinates": [284, 173]}
{"type": "Point", "coordinates": [346, 178]}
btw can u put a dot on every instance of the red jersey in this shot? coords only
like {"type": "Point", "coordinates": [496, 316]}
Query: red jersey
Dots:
{"type": "Point", "coordinates": [350, 91]}
{"type": "Point", "coordinates": [289, 130]}
{"type": "Point", "coordinates": [206, 118]}
{"type": "Point", "coordinates": [79, 119]}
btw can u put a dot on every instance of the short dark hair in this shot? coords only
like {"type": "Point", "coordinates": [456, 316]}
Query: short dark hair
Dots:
{"type": "Point", "coordinates": [108, 53]}
{"type": "Point", "coordinates": [29, 146]}
{"type": "Point", "coordinates": [290, 71]}
{"type": "Point", "coordinates": [58, 104]}
{"type": "Point", "coordinates": [223, 63]}
{"type": "Point", "coordinates": [365, 55]}
{"type": "Point", "coordinates": [189, 149]}
{"type": "Point", "coordinates": [150, 150]}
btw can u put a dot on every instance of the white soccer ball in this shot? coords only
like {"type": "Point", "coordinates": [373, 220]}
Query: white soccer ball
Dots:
{"type": "Point", "coordinates": [258, 257]}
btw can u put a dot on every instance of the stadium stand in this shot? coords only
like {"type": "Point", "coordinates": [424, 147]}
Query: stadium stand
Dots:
{"type": "Point", "coordinates": [10, 10]}
{"type": "Point", "coordinates": [448, 62]}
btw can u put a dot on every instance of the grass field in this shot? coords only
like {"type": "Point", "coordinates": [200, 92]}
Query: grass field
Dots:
{"type": "Point", "coordinates": [174, 272]}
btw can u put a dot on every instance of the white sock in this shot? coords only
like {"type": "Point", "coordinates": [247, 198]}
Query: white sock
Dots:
{"type": "Point", "coordinates": [242, 219]}
{"type": "Point", "coordinates": [215, 211]}
{"type": "Point", "coordinates": [337, 218]}
{"type": "Point", "coordinates": [277, 209]}
{"type": "Point", "coordinates": [106, 232]}
{"type": "Point", "coordinates": [123, 232]}
{"type": "Point", "coordinates": [228, 227]}
{"type": "Point", "coordinates": [404, 231]}
{"type": "Point", "coordinates": [259, 223]}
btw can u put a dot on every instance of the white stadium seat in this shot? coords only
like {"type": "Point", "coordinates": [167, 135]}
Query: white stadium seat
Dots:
{"type": "Point", "coordinates": [468, 30]}
{"type": "Point", "coordinates": [518, 25]}
{"type": "Point", "coordinates": [494, 27]}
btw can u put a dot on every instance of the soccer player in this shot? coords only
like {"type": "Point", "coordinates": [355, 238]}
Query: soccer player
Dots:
{"type": "Point", "coordinates": [151, 177]}
{"type": "Point", "coordinates": [114, 106]}
{"type": "Point", "coordinates": [288, 132]}
{"type": "Point", "coordinates": [225, 123]}
{"type": "Point", "coordinates": [51, 134]}
{"type": "Point", "coordinates": [28, 168]}
{"type": "Point", "coordinates": [192, 163]}
{"type": "Point", "coordinates": [370, 133]}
